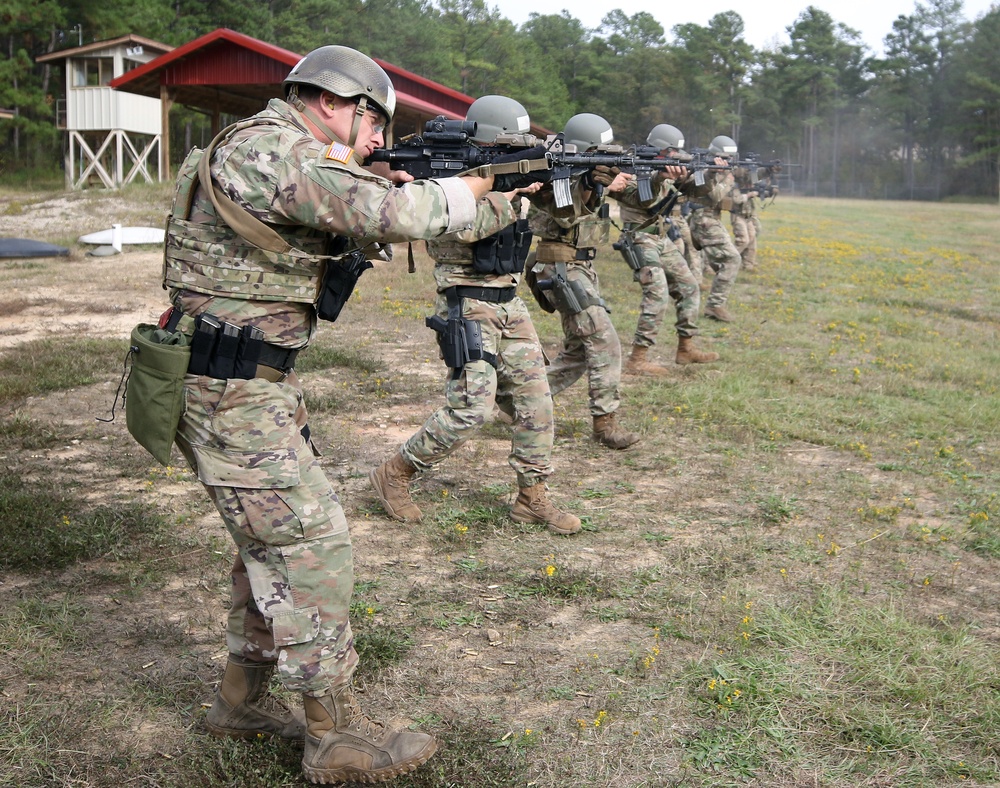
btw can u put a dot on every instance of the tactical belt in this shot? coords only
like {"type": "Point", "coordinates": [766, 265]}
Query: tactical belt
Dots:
{"type": "Point", "coordinates": [650, 228]}
{"type": "Point", "coordinates": [273, 363]}
{"type": "Point", "coordinates": [554, 252]}
{"type": "Point", "coordinates": [494, 295]}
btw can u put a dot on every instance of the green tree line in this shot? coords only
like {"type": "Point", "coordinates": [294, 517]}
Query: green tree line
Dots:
{"type": "Point", "coordinates": [922, 120]}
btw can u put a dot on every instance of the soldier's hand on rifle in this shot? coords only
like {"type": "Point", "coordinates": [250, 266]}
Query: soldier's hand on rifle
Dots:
{"type": "Point", "coordinates": [620, 182]}
{"type": "Point", "coordinates": [670, 174]}
{"type": "Point", "coordinates": [601, 175]}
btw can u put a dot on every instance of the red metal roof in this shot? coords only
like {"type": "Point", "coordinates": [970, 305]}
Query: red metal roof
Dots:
{"type": "Point", "coordinates": [440, 100]}
{"type": "Point", "coordinates": [221, 55]}
{"type": "Point", "coordinates": [237, 74]}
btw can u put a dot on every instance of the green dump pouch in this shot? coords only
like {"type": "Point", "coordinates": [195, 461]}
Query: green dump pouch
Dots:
{"type": "Point", "coordinates": [154, 393]}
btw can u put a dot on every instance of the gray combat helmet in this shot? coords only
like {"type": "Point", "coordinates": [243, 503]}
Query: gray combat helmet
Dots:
{"type": "Point", "coordinates": [347, 73]}
{"type": "Point", "coordinates": [496, 115]}
{"type": "Point", "coordinates": [664, 136]}
{"type": "Point", "coordinates": [587, 130]}
{"type": "Point", "coordinates": [723, 146]}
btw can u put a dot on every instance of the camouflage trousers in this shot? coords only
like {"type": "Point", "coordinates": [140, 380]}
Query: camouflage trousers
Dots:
{"type": "Point", "coordinates": [745, 239]}
{"type": "Point", "coordinates": [293, 577]}
{"type": "Point", "coordinates": [518, 383]}
{"type": "Point", "coordinates": [708, 232]}
{"type": "Point", "coordinates": [694, 257]}
{"type": "Point", "coordinates": [590, 344]}
{"type": "Point", "coordinates": [666, 273]}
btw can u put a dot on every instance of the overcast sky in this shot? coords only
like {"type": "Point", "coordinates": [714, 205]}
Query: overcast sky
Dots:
{"type": "Point", "coordinates": [765, 22]}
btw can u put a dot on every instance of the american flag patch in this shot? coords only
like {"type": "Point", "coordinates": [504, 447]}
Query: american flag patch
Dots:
{"type": "Point", "coordinates": [338, 151]}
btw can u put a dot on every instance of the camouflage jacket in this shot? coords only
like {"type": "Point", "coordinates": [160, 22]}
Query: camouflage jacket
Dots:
{"type": "Point", "coordinates": [634, 212]}
{"type": "Point", "coordinates": [716, 194]}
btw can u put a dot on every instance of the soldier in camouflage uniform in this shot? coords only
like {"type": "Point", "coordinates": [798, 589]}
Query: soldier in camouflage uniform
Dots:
{"type": "Point", "coordinates": [658, 266]}
{"type": "Point", "coordinates": [567, 245]}
{"type": "Point", "coordinates": [710, 235]}
{"type": "Point", "coordinates": [746, 217]}
{"type": "Point", "coordinates": [281, 199]}
{"type": "Point", "coordinates": [679, 222]}
{"type": "Point", "coordinates": [743, 219]}
{"type": "Point", "coordinates": [477, 282]}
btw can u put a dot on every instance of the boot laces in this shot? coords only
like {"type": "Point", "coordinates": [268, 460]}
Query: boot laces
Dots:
{"type": "Point", "coordinates": [362, 723]}
{"type": "Point", "coordinates": [270, 705]}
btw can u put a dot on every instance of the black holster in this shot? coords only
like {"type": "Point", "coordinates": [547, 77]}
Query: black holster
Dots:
{"type": "Point", "coordinates": [626, 247]}
{"type": "Point", "coordinates": [460, 339]}
{"type": "Point", "coordinates": [672, 232]}
{"type": "Point", "coordinates": [570, 296]}
{"type": "Point", "coordinates": [339, 280]}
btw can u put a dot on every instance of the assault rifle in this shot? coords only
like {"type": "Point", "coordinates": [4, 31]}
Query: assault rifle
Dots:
{"type": "Point", "coordinates": [643, 161]}
{"type": "Point", "coordinates": [446, 148]}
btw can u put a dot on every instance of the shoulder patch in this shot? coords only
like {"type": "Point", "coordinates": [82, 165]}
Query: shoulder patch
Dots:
{"type": "Point", "coordinates": [338, 151]}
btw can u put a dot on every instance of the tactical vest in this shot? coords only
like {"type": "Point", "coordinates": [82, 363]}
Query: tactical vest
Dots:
{"type": "Point", "coordinates": [563, 244]}
{"type": "Point", "coordinates": [239, 256]}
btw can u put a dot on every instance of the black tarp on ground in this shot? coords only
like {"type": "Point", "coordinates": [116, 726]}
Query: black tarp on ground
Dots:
{"type": "Point", "coordinates": [22, 247]}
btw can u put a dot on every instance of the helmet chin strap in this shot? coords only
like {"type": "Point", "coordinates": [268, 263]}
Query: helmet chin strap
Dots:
{"type": "Point", "coordinates": [322, 126]}
{"type": "Point", "coordinates": [359, 113]}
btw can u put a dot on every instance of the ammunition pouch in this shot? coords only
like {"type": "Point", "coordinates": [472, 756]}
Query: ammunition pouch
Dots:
{"type": "Point", "coordinates": [569, 296]}
{"type": "Point", "coordinates": [460, 339]}
{"type": "Point", "coordinates": [339, 280]}
{"type": "Point", "coordinates": [626, 247]}
{"type": "Point", "coordinates": [224, 351]}
{"type": "Point", "coordinates": [503, 252]}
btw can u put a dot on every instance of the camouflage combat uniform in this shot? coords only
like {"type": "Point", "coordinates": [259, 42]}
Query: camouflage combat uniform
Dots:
{"type": "Point", "coordinates": [710, 235]}
{"type": "Point", "coordinates": [745, 223]}
{"type": "Point", "coordinates": [518, 380]}
{"type": "Point", "coordinates": [293, 577]}
{"type": "Point", "coordinates": [665, 271]}
{"type": "Point", "coordinates": [694, 257]}
{"type": "Point", "coordinates": [570, 235]}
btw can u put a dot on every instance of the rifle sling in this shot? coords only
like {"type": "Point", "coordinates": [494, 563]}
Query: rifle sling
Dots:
{"type": "Point", "coordinates": [247, 226]}
{"type": "Point", "coordinates": [662, 208]}
{"type": "Point", "coordinates": [522, 167]}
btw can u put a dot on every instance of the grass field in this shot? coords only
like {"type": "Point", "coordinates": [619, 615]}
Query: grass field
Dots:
{"type": "Point", "coordinates": [791, 581]}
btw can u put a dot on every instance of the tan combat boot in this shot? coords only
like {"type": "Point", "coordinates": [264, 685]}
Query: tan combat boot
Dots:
{"type": "Point", "coordinates": [533, 506]}
{"type": "Point", "coordinates": [608, 432]}
{"type": "Point", "coordinates": [687, 353]}
{"type": "Point", "coordinates": [637, 364]}
{"type": "Point", "coordinates": [391, 481]}
{"type": "Point", "coordinates": [244, 709]}
{"type": "Point", "coordinates": [719, 313]}
{"type": "Point", "coordinates": [343, 744]}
